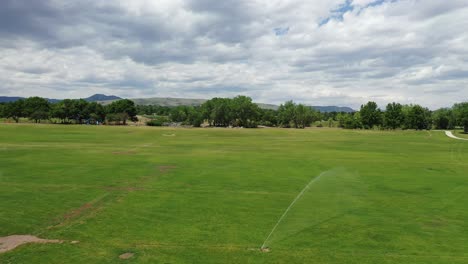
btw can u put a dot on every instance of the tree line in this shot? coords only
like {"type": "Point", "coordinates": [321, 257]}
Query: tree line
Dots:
{"type": "Point", "coordinates": [398, 116]}
{"type": "Point", "coordinates": [69, 111]}
{"type": "Point", "coordinates": [239, 111]}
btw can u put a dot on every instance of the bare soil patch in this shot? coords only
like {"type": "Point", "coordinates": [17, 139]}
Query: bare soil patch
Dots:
{"type": "Point", "coordinates": [126, 255]}
{"type": "Point", "coordinates": [77, 212]}
{"type": "Point", "coordinates": [11, 242]}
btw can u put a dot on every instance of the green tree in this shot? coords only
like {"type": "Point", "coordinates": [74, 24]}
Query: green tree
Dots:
{"type": "Point", "coordinates": [218, 111]}
{"type": "Point", "coordinates": [443, 118]}
{"type": "Point", "coordinates": [461, 113]}
{"type": "Point", "coordinates": [419, 118]}
{"type": "Point", "coordinates": [350, 120]}
{"type": "Point", "coordinates": [14, 110]}
{"type": "Point", "coordinates": [39, 115]}
{"type": "Point", "coordinates": [244, 112]}
{"type": "Point", "coordinates": [95, 112]}
{"type": "Point", "coordinates": [370, 115]}
{"type": "Point", "coordinates": [341, 118]}
{"type": "Point", "coordinates": [68, 109]}
{"type": "Point", "coordinates": [57, 110]}
{"type": "Point", "coordinates": [36, 108]}
{"type": "Point", "coordinates": [2, 110]}
{"type": "Point", "coordinates": [302, 116]}
{"type": "Point", "coordinates": [393, 116]}
{"type": "Point", "coordinates": [80, 110]}
{"type": "Point", "coordinates": [330, 122]}
{"type": "Point", "coordinates": [268, 117]}
{"type": "Point", "coordinates": [123, 110]}
{"type": "Point", "coordinates": [179, 114]}
{"type": "Point", "coordinates": [286, 114]}
{"type": "Point", "coordinates": [194, 116]}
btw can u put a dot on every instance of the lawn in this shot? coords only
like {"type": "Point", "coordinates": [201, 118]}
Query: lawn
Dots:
{"type": "Point", "coordinates": [213, 195]}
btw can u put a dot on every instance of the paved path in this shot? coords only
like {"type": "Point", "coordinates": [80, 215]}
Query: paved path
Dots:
{"type": "Point", "coordinates": [449, 134]}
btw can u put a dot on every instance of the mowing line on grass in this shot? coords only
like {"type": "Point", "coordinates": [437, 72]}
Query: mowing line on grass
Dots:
{"type": "Point", "coordinates": [244, 247]}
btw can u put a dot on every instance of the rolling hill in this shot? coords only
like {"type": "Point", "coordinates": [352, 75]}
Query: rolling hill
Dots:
{"type": "Point", "coordinates": [92, 98]}
{"type": "Point", "coordinates": [172, 102]}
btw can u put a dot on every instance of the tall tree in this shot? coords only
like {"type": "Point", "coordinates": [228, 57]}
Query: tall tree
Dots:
{"type": "Point", "coordinates": [2, 110]}
{"type": "Point", "coordinates": [268, 117]}
{"type": "Point", "coordinates": [370, 115]}
{"type": "Point", "coordinates": [14, 110]}
{"type": "Point", "coordinates": [461, 113]}
{"type": "Point", "coordinates": [443, 118]}
{"type": "Point", "coordinates": [123, 110]}
{"type": "Point", "coordinates": [218, 111]}
{"type": "Point", "coordinates": [95, 112]}
{"type": "Point", "coordinates": [80, 110]}
{"type": "Point", "coordinates": [302, 116]}
{"type": "Point", "coordinates": [36, 108]}
{"type": "Point", "coordinates": [179, 113]}
{"type": "Point", "coordinates": [244, 111]}
{"type": "Point", "coordinates": [194, 116]}
{"type": "Point", "coordinates": [286, 114]}
{"type": "Point", "coordinates": [393, 116]}
{"type": "Point", "coordinates": [419, 118]}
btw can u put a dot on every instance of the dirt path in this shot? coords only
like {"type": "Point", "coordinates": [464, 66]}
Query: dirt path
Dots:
{"type": "Point", "coordinates": [10, 242]}
{"type": "Point", "coordinates": [451, 135]}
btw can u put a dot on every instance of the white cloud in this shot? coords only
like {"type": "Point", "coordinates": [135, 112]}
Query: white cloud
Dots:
{"type": "Point", "coordinates": [411, 51]}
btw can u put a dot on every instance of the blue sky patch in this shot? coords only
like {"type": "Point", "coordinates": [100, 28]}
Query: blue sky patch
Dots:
{"type": "Point", "coordinates": [347, 6]}
{"type": "Point", "coordinates": [281, 31]}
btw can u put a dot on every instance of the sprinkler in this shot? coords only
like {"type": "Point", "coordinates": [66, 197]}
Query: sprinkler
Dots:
{"type": "Point", "coordinates": [265, 249]}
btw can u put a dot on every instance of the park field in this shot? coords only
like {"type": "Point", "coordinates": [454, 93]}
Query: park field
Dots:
{"type": "Point", "coordinates": [214, 195]}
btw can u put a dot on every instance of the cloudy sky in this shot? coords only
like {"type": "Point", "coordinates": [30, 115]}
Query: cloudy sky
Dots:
{"type": "Point", "coordinates": [332, 52]}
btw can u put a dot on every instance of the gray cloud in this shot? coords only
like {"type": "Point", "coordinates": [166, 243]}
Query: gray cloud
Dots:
{"type": "Point", "coordinates": [408, 50]}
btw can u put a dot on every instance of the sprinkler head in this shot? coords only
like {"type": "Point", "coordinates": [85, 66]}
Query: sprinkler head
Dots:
{"type": "Point", "coordinates": [265, 249]}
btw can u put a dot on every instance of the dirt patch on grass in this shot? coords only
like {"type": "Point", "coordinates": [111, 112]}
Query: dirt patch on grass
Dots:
{"type": "Point", "coordinates": [130, 152]}
{"type": "Point", "coordinates": [123, 188]}
{"type": "Point", "coordinates": [126, 255]}
{"type": "Point", "coordinates": [166, 168]}
{"type": "Point", "coordinates": [11, 242]}
{"type": "Point", "coordinates": [85, 211]}
{"type": "Point", "coordinates": [77, 212]}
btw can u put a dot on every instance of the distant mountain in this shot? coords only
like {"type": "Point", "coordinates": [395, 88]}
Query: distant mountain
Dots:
{"type": "Point", "coordinates": [168, 101]}
{"type": "Point", "coordinates": [92, 98]}
{"type": "Point", "coordinates": [323, 109]}
{"type": "Point", "coordinates": [328, 109]}
{"type": "Point", "coordinates": [268, 106]}
{"type": "Point", "coordinates": [101, 97]}
{"type": "Point", "coordinates": [7, 99]}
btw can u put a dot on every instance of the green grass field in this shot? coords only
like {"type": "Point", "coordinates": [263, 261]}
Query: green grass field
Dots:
{"type": "Point", "coordinates": [213, 195]}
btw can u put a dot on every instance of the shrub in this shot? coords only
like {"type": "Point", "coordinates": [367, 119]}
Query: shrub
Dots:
{"type": "Point", "coordinates": [155, 122]}
{"type": "Point", "coordinates": [158, 121]}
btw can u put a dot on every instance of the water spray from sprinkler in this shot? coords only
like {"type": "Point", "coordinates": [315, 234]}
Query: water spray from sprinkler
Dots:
{"type": "Point", "coordinates": [264, 247]}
